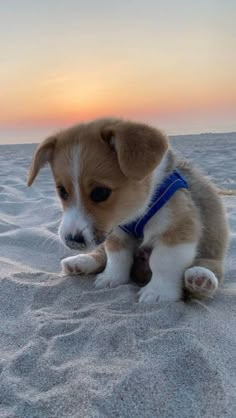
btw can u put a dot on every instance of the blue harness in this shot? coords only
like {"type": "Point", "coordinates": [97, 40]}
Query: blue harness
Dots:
{"type": "Point", "coordinates": [161, 195]}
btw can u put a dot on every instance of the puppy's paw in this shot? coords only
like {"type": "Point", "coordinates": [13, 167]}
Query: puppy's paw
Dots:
{"type": "Point", "coordinates": [79, 264]}
{"type": "Point", "coordinates": [154, 292]}
{"type": "Point", "coordinates": [146, 295]}
{"type": "Point", "coordinates": [110, 279]}
{"type": "Point", "coordinates": [200, 280]}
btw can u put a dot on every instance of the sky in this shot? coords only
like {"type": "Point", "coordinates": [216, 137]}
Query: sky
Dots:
{"type": "Point", "coordinates": [171, 63]}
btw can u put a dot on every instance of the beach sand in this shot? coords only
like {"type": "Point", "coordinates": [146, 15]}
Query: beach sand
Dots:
{"type": "Point", "coordinates": [68, 350]}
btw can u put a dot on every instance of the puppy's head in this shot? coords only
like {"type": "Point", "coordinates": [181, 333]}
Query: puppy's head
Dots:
{"type": "Point", "coordinates": [102, 171]}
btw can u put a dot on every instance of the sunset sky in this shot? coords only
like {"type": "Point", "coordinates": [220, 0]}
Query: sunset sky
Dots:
{"type": "Point", "coordinates": [168, 62]}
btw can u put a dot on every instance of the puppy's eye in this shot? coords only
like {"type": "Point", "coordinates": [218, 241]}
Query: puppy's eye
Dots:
{"type": "Point", "coordinates": [62, 192]}
{"type": "Point", "coordinates": [100, 194]}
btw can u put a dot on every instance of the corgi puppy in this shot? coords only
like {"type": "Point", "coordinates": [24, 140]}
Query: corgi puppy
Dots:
{"type": "Point", "coordinates": [123, 189]}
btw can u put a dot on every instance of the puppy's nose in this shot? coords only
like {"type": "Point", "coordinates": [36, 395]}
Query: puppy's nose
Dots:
{"type": "Point", "coordinates": [77, 238]}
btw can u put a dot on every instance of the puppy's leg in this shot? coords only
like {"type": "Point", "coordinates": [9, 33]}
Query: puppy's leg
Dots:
{"type": "Point", "coordinates": [119, 252]}
{"type": "Point", "coordinates": [201, 280]}
{"type": "Point", "coordinates": [168, 264]}
{"type": "Point", "coordinates": [90, 263]}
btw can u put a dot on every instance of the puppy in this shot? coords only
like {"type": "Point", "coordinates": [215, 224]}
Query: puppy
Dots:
{"type": "Point", "coordinates": [123, 189]}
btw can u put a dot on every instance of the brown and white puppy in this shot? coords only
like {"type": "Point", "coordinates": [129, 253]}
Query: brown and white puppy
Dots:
{"type": "Point", "coordinates": [105, 173]}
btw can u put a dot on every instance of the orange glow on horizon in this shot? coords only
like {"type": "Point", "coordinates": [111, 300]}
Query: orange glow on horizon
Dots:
{"type": "Point", "coordinates": [64, 116]}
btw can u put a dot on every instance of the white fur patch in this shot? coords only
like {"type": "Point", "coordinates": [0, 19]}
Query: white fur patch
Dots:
{"type": "Point", "coordinates": [75, 220]}
{"type": "Point", "coordinates": [79, 264]}
{"type": "Point", "coordinates": [117, 269]}
{"type": "Point", "coordinates": [200, 280]}
{"type": "Point", "coordinates": [158, 224]}
{"type": "Point", "coordinates": [168, 265]}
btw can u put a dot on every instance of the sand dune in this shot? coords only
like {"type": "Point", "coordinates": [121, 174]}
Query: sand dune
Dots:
{"type": "Point", "coordinates": [68, 350]}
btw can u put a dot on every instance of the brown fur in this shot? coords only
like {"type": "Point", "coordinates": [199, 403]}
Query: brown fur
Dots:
{"type": "Point", "coordinates": [122, 155]}
{"type": "Point", "coordinates": [185, 226]}
{"type": "Point", "coordinates": [139, 148]}
{"type": "Point", "coordinates": [114, 244]}
{"type": "Point", "coordinates": [214, 238]}
{"type": "Point", "coordinates": [102, 166]}
{"type": "Point", "coordinates": [99, 256]}
{"type": "Point", "coordinates": [42, 156]}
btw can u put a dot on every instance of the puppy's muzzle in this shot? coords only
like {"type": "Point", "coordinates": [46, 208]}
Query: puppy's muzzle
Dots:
{"type": "Point", "coordinates": [76, 241]}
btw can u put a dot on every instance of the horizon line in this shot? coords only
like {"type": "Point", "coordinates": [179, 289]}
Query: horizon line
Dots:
{"type": "Point", "coordinates": [169, 135]}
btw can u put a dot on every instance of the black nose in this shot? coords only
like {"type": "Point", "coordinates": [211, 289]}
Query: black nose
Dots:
{"type": "Point", "coordinates": [77, 238]}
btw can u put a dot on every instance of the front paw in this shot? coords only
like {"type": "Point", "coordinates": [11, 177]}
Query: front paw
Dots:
{"type": "Point", "coordinates": [153, 293]}
{"type": "Point", "coordinates": [109, 279]}
{"type": "Point", "coordinates": [79, 264]}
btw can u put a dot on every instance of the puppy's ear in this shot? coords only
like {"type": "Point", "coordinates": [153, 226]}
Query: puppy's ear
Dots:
{"type": "Point", "coordinates": [42, 156]}
{"type": "Point", "coordinates": [140, 148]}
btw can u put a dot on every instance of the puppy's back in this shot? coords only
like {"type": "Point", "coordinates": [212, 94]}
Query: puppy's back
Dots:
{"type": "Point", "coordinates": [215, 233]}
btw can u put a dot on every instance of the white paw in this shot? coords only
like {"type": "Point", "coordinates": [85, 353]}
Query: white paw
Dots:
{"type": "Point", "coordinates": [110, 279]}
{"type": "Point", "coordinates": [200, 280]}
{"type": "Point", "coordinates": [79, 264]}
{"type": "Point", "coordinates": [155, 292]}
{"type": "Point", "coordinates": [147, 296]}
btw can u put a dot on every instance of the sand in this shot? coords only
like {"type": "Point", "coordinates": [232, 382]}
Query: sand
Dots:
{"type": "Point", "coordinates": [68, 350]}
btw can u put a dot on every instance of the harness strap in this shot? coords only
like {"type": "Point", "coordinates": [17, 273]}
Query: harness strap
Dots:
{"type": "Point", "coordinates": [161, 195]}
